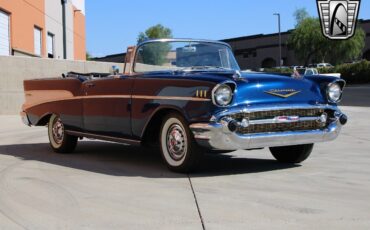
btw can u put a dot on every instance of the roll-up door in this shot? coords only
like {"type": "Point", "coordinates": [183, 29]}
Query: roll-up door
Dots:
{"type": "Point", "coordinates": [4, 34]}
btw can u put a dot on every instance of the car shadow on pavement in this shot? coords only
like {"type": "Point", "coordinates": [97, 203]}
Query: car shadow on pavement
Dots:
{"type": "Point", "coordinates": [120, 160]}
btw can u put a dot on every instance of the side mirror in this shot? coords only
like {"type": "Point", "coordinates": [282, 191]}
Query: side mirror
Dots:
{"type": "Point", "coordinates": [114, 70]}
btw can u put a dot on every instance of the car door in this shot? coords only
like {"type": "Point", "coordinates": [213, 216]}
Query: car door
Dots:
{"type": "Point", "coordinates": [106, 106]}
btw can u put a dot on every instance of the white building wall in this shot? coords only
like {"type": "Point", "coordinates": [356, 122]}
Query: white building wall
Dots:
{"type": "Point", "coordinates": [70, 37]}
{"type": "Point", "coordinates": [54, 24]}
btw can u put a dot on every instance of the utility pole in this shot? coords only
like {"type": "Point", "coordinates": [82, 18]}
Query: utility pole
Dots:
{"type": "Point", "coordinates": [279, 25]}
{"type": "Point", "coordinates": [64, 2]}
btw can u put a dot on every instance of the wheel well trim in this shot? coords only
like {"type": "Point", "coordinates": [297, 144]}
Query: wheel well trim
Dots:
{"type": "Point", "coordinates": [158, 110]}
{"type": "Point", "coordinates": [44, 119]}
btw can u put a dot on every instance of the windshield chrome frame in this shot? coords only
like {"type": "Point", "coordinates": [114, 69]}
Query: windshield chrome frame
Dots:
{"type": "Point", "coordinates": [162, 40]}
{"type": "Point", "coordinates": [182, 40]}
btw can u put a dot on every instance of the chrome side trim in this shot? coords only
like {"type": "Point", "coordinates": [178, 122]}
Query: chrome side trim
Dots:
{"type": "Point", "coordinates": [170, 98]}
{"type": "Point", "coordinates": [144, 97]}
{"type": "Point", "coordinates": [103, 137]}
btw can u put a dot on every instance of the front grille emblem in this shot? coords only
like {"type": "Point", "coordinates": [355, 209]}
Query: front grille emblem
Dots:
{"type": "Point", "coordinates": [284, 93]}
{"type": "Point", "coordinates": [286, 119]}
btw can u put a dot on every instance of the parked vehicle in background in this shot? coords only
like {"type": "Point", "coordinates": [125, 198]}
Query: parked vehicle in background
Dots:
{"type": "Point", "coordinates": [320, 65]}
{"type": "Point", "coordinates": [188, 96]}
{"type": "Point", "coordinates": [313, 72]}
{"type": "Point", "coordinates": [297, 67]}
{"type": "Point", "coordinates": [324, 65]}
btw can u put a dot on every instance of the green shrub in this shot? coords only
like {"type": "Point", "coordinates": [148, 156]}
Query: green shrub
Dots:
{"type": "Point", "coordinates": [356, 73]}
{"type": "Point", "coordinates": [326, 70]}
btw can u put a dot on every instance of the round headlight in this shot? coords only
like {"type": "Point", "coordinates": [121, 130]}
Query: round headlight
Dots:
{"type": "Point", "coordinates": [223, 95]}
{"type": "Point", "coordinates": [334, 92]}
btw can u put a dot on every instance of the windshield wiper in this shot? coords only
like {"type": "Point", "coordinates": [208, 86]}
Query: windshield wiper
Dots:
{"type": "Point", "coordinates": [210, 67]}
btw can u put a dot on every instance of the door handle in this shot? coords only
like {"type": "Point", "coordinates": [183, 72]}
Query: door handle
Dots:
{"type": "Point", "coordinates": [89, 85]}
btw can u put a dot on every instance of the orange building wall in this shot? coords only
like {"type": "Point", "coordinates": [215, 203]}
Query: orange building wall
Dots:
{"type": "Point", "coordinates": [24, 16]}
{"type": "Point", "coordinates": [79, 35]}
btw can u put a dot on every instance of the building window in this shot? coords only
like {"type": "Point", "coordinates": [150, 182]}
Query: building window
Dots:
{"type": "Point", "coordinates": [4, 34]}
{"type": "Point", "coordinates": [50, 44]}
{"type": "Point", "coordinates": [37, 41]}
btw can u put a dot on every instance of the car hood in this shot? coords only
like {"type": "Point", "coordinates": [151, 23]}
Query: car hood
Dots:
{"type": "Point", "coordinates": [270, 89]}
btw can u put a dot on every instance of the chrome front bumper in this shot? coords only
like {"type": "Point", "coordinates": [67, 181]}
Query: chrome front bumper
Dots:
{"type": "Point", "coordinates": [215, 135]}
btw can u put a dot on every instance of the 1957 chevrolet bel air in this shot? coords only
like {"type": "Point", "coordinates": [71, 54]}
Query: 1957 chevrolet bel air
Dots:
{"type": "Point", "coordinates": [188, 96]}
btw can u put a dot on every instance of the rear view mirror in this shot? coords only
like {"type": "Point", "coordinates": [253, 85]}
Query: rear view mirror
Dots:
{"type": "Point", "coordinates": [189, 49]}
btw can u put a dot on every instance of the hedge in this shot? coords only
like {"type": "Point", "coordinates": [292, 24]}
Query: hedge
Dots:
{"type": "Point", "coordinates": [356, 73]}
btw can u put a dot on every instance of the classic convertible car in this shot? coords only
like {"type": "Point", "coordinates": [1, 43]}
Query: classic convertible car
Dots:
{"type": "Point", "coordinates": [188, 97]}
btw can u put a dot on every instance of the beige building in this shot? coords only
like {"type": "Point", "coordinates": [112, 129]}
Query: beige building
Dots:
{"type": "Point", "coordinates": [43, 28]}
{"type": "Point", "coordinates": [262, 50]}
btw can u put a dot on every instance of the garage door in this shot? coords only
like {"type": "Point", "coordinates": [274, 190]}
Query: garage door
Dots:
{"type": "Point", "coordinates": [4, 34]}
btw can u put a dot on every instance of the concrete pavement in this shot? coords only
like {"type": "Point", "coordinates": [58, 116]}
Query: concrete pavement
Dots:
{"type": "Point", "coordinates": [111, 186]}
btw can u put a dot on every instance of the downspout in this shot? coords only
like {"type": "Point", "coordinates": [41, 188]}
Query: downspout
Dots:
{"type": "Point", "coordinates": [64, 2]}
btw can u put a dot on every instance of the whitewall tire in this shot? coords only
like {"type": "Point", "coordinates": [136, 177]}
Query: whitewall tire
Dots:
{"type": "Point", "coordinates": [178, 147]}
{"type": "Point", "coordinates": [59, 140]}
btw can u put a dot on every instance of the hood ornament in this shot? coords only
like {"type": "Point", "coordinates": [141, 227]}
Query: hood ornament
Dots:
{"type": "Point", "coordinates": [283, 93]}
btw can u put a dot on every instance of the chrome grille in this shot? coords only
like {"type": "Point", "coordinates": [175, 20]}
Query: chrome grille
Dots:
{"type": "Point", "coordinates": [274, 113]}
{"type": "Point", "coordinates": [279, 127]}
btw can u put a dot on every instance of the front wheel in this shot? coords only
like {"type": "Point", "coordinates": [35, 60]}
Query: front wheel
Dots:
{"type": "Point", "coordinates": [178, 147]}
{"type": "Point", "coordinates": [59, 140]}
{"type": "Point", "coordinates": [292, 154]}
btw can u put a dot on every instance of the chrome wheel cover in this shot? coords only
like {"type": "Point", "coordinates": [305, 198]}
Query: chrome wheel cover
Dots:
{"type": "Point", "coordinates": [176, 142]}
{"type": "Point", "coordinates": [58, 131]}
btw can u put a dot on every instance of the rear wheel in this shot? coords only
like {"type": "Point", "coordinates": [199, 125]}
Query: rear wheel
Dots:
{"type": "Point", "coordinates": [292, 154]}
{"type": "Point", "coordinates": [178, 147]}
{"type": "Point", "coordinates": [59, 140]}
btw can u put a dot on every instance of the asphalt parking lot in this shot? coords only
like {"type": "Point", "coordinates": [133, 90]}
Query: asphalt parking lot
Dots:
{"type": "Point", "coordinates": [112, 186]}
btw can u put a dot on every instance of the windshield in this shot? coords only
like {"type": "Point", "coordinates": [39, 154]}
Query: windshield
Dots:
{"type": "Point", "coordinates": [184, 56]}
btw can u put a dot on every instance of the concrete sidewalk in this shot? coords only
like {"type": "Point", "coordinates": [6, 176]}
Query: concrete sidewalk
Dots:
{"type": "Point", "coordinates": [111, 186]}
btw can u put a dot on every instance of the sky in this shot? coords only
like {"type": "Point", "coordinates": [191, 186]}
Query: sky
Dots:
{"type": "Point", "coordinates": [112, 25]}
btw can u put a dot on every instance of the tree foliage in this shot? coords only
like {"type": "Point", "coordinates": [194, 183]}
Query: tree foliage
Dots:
{"type": "Point", "coordinates": [155, 53]}
{"type": "Point", "coordinates": [300, 15]}
{"type": "Point", "coordinates": [310, 44]}
{"type": "Point", "coordinates": [345, 50]}
{"type": "Point", "coordinates": [88, 56]}
{"type": "Point", "coordinates": [157, 31]}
